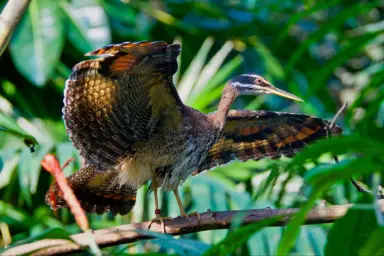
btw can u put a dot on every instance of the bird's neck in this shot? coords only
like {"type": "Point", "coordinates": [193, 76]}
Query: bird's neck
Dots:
{"type": "Point", "coordinates": [229, 95]}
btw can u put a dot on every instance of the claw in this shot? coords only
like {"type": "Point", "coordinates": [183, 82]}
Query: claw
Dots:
{"type": "Point", "coordinates": [161, 219]}
{"type": "Point", "coordinates": [192, 213]}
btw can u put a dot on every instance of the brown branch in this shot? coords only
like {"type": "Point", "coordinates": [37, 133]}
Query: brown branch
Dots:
{"type": "Point", "coordinates": [9, 18]}
{"type": "Point", "coordinates": [209, 221]}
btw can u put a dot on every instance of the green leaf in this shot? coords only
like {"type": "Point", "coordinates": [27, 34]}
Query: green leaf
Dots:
{"type": "Point", "coordinates": [64, 152]}
{"type": "Point", "coordinates": [353, 47]}
{"type": "Point", "coordinates": [187, 82]}
{"type": "Point", "coordinates": [347, 168]}
{"type": "Point", "coordinates": [317, 237]}
{"type": "Point", "coordinates": [374, 243]}
{"type": "Point", "coordinates": [35, 167]}
{"type": "Point", "coordinates": [238, 237]}
{"type": "Point", "coordinates": [182, 246]}
{"type": "Point", "coordinates": [350, 233]}
{"type": "Point", "coordinates": [29, 140]}
{"type": "Point", "coordinates": [164, 17]}
{"type": "Point", "coordinates": [330, 25]}
{"type": "Point", "coordinates": [23, 176]}
{"type": "Point", "coordinates": [8, 170]}
{"type": "Point", "coordinates": [271, 63]}
{"type": "Point", "coordinates": [29, 171]}
{"type": "Point", "coordinates": [1, 164]}
{"type": "Point", "coordinates": [322, 178]}
{"type": "Point", "coordinates": [210, 69]}
{"type": "Point", "coordinates": [14, 217]}
{"type": "Point", "coordinates": [296, 17]}
{"type": "Point", "coordinates": [38, 41]}
{"type": "Point", "coordinates": [293, 228]}
{"type": "Point", "coordinates": [88, 24]}
{"type": "Point", "coordinates": [213, 89]}
{"type": "Point", "coordinates": [338, 145]}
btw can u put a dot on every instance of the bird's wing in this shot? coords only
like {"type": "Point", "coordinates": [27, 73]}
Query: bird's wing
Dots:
{"type": "Point", "coordinates": [96, 191]}
{"type": "Point", "coordinates": [258, 134]}
{"type": "Point", "coordinates": [117, 102]}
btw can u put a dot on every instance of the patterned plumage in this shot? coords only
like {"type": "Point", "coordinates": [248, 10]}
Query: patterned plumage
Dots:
{"type": "Point", "coordinates": [122, 112]}
{"type": "Point", "coordinates": [255, 135]}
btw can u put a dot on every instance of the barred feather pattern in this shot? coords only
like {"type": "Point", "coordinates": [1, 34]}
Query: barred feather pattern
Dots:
{"type": "Point", "coordinates": [97, 192]}
{"type": "Point", "coordinates": [113, 104]}
{"type": "Point", "coordinates": [259, 134]}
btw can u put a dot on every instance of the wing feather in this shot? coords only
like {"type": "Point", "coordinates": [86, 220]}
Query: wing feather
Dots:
{"type": "Point", "coordinates": [259, 134]}
{"type": "Point", "coordinates": [114, 103]}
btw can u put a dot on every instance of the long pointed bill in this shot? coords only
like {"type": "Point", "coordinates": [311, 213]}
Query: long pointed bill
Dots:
{"type": "Point", "coordinates": [284, 94]}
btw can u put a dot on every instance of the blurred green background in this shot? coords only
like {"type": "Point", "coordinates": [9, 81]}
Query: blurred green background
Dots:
{"type": "Point", "coordinates": [325, 52]}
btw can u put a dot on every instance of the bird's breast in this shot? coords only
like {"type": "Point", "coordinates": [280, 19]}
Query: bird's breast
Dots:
{"type": "Point", "coordinates": [194, 152]}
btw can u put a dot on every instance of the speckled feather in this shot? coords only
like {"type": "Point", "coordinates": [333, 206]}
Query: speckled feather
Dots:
{"type": "Point", "coordinates": [119, 107]}
{"type": "Point", "coordinates": [113, 104]}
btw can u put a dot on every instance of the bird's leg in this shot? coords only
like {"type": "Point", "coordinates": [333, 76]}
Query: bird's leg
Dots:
{"type": "Point", "coordinates": [182, 212]}
{"type": "Point", "coordinates": [157, 209]}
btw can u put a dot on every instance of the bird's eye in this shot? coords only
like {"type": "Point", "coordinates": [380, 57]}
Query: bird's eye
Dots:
{"type": "Point", "coordinates": [258, 81]}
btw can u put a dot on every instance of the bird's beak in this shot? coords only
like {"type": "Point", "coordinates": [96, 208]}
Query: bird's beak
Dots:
{"type": "Point", "coordinates": [282, 93]}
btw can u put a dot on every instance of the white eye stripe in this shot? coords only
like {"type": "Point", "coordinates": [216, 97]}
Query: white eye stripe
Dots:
{"type": "Point", "coordinates": [251, 86]}
{"type": "Point", "coordinates": [251, 75]}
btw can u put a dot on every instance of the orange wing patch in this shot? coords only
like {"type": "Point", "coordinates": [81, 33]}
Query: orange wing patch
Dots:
{"type": "Point", "coordinates": [123, 63]}
{"type": "Point", "coordinates": [258, 134]}
{"type": "Point", "coordinates": [143, 47]}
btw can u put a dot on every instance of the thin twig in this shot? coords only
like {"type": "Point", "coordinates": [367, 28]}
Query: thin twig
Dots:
{"type": "Point", "coordinates": [51, 164]}
{"type": "Point", "coordinates": [345, 105]}
{"type": "Point", "coordinates": [9, 18]}
{"type": "Point", "coordinates": [208, 221]}
{"type": "Point", "coordinates": [355, 183]}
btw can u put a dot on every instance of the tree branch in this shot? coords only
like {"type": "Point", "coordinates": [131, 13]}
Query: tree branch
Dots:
{"type": "Point", "coordinates": [9, 18]}
{"type": "Point", "coordinates": [209, 221]}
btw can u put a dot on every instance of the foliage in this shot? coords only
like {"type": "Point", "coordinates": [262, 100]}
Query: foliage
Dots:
{"type": "Point", "coordinates": [326, 52]}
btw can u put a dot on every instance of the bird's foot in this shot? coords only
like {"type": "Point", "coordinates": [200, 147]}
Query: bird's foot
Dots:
{"type": "Point", "coordinates": [160, 219]}
{"type": "Point", "coordinates": [192, 213]}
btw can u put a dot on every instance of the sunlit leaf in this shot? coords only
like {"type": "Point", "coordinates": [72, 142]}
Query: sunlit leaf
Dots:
{"type": "Point", "coordinates": [187, 82]}
{"type": "Point", "coordinates": [210, 69]}
{"type": "Point", "coordinates": [8, 168]}
{"type": "Point", "coordinates": [211, 91]}
{"type": "Point", "coordinates": [28, 140]}
{"type": "Point", "coordinates": [38, 41]}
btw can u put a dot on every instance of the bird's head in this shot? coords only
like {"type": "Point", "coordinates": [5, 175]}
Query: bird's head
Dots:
{"type": "Point", "coordinates": [250, 84]}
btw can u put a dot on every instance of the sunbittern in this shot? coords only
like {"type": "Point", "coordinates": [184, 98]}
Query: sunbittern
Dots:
{"type": "Point", "coordinates": [124, 115]}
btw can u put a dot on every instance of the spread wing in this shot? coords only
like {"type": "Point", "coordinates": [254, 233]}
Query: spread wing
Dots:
{"type": "Point", "coordinates": [258, 134]}
{"type": "Point", "coordinates": [116, 102]}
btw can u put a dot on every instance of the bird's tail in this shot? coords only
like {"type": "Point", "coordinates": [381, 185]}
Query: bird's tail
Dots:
{"type": "Point", "coordinates": [97, 192]}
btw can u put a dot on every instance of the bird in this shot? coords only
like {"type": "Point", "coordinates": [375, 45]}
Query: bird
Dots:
{"type": "Point", "coordinates": [123, 114]}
